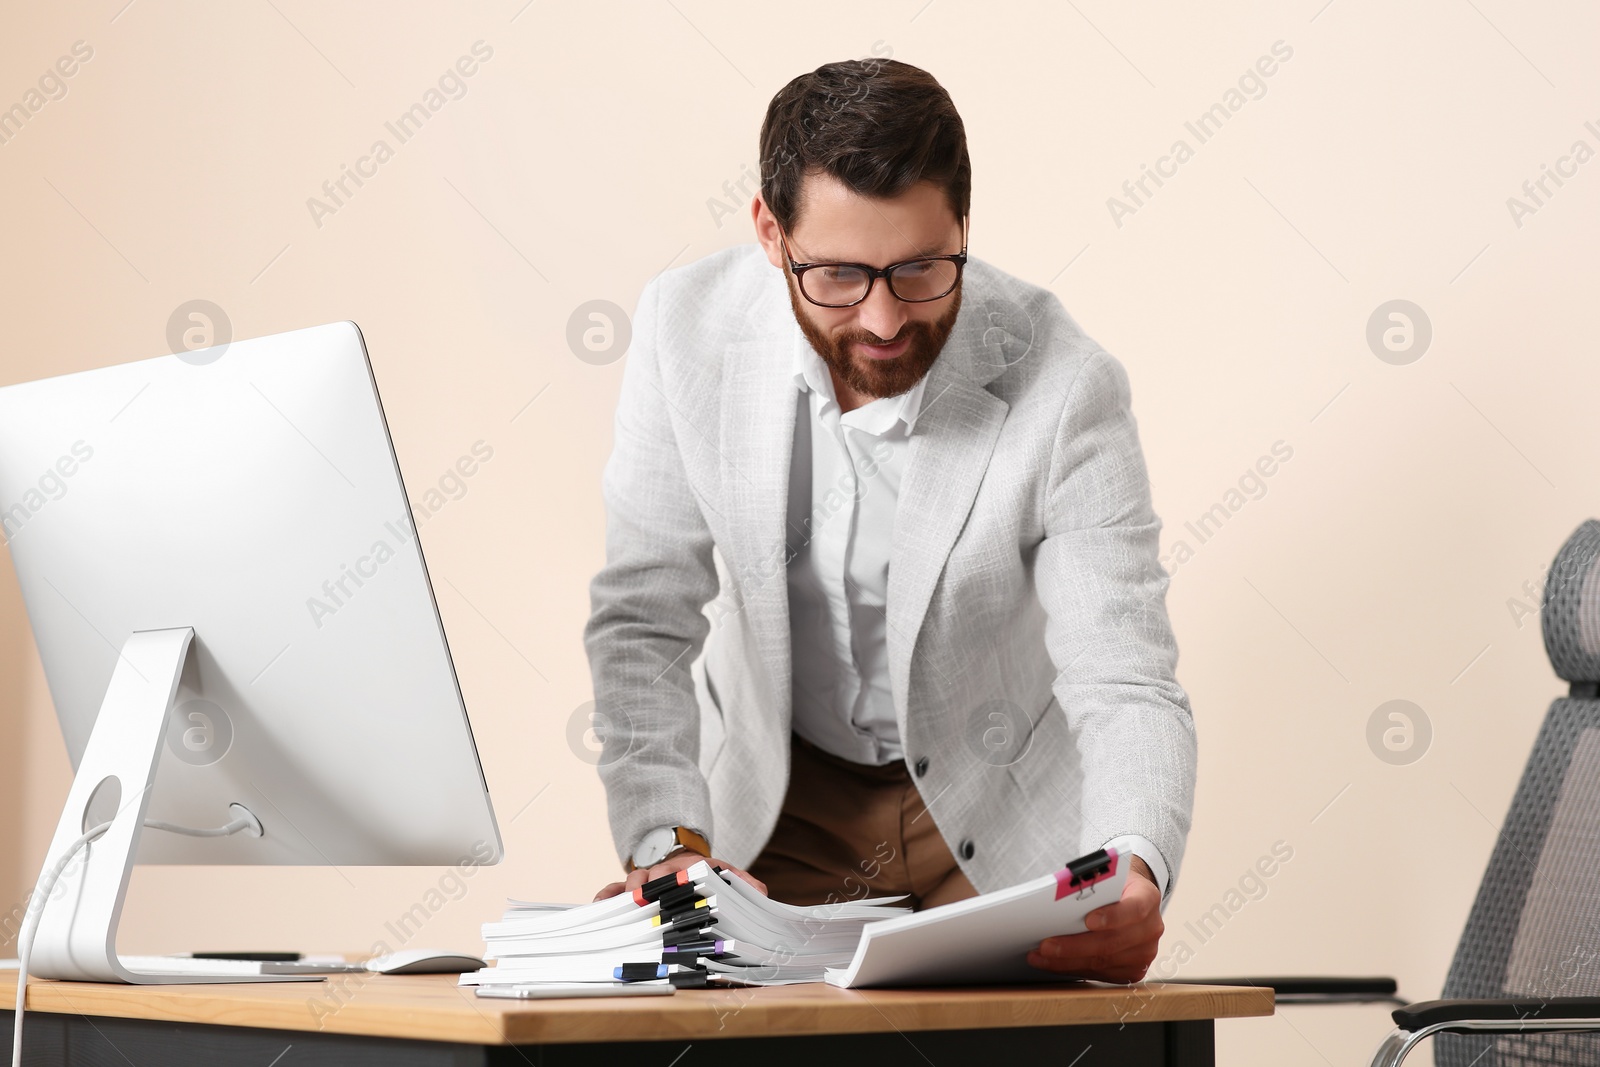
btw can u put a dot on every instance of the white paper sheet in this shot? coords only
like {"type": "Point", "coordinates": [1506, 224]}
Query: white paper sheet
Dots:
{"type": "Point", "coordinates": [980, 940]}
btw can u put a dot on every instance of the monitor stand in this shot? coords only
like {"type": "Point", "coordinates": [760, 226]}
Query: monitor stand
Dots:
{"type": "Point", "coordinates": [76, 936]}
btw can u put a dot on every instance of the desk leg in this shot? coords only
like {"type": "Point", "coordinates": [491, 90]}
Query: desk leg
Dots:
{"type": "Point", "coordinates": [1191, 1044]}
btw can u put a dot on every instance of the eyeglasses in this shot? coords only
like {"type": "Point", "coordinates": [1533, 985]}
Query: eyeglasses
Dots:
{"type": "Point", "coordinates": [843, 285]}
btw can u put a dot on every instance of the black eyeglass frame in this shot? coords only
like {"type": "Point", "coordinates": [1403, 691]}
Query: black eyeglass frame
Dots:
{"type": "Point", "coordinates": [874, 273]}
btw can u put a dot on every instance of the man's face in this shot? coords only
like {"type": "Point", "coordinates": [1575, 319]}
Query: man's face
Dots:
{"type": "Point", "coordinates": [882, 346]}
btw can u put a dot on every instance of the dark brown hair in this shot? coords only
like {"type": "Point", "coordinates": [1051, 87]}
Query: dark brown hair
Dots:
{"type": "Point", "coordinates": [877, 125]}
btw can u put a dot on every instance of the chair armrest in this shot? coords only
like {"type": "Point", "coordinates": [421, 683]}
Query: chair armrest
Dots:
{"type": "Point", "coordinates": [1510, 1010]}
{"type": "Point", "coordinates": [1510, 1015]}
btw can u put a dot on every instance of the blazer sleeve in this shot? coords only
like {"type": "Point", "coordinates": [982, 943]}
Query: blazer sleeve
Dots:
{"type": "Point", "coordinates": [1104, 593]}
{"type": "Point", "coordinates": [646, 624]}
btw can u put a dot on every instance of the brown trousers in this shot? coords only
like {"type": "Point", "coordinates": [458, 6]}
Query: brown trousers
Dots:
{"type": "Point", "coordinates": [849, 831]}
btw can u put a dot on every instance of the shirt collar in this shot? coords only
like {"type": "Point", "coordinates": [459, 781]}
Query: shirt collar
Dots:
{"type": "Point", "coordinates": [877, 416]}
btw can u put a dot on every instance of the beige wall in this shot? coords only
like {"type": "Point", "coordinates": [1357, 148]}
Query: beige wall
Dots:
{"type": "Point", "coordinates": [1375, 165]}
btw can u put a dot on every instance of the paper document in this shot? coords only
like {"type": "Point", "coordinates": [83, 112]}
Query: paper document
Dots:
{"type": "Point", "coordinates": [985, 939]}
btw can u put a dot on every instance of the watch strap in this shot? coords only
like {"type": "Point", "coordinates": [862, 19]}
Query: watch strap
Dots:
{"type": "Point", "coordinates": [685, 838]}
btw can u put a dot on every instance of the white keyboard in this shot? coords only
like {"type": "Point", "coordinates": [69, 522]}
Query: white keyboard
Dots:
{"type": "Point", "coordinates": [230, 968]}
{"type": "Point", "coordinates": [189, 965]}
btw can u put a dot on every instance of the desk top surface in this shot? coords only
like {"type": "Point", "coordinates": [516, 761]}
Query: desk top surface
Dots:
{"type": "Point", "coordinates": [435, 1008]}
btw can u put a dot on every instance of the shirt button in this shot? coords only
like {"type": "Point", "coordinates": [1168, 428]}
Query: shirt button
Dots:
{"type": "Point", "coordinates": [922, 766]}
{"type": "Point", "coordinates": [967, 849]}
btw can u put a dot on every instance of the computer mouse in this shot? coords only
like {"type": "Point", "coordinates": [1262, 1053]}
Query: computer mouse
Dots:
{"type": "Point", "coordinates": [424, 961]}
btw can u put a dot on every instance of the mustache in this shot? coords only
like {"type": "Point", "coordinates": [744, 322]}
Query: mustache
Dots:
{"type": "Point", "coordinates": [910, 329]}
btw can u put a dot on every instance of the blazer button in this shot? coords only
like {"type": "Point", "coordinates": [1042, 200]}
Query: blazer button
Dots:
{"type": "Point", "coordinates": [967, 849]}
{"type": "Point", "coordinates": [922, 766]}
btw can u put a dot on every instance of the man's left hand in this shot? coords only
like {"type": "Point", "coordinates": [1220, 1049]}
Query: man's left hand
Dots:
{"type": "Point", "coordinates": [1121, 941]}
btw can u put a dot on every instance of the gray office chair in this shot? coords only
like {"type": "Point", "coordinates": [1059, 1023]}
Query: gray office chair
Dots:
{"type": "Point", "coordinates": [1524, 987]}
{"type": "Point", "coordinates": [1529, 959]}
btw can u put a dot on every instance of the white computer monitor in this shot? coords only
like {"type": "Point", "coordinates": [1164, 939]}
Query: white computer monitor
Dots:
{"type": "Point", "coordinates": [216, 548]}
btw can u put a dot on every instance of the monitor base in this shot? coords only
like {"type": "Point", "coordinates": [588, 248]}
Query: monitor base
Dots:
{"type": "Point", "coordinates": [76, 935]}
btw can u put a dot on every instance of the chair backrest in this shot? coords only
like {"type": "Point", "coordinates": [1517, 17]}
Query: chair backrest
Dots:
{"type": "Point", "coordinates": [1534, 929]}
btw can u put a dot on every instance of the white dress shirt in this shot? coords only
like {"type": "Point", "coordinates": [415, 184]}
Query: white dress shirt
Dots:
{"type": "Point", "coordinates": [844, 483]}
{"type": "Point", "coordinates": [843, 486]}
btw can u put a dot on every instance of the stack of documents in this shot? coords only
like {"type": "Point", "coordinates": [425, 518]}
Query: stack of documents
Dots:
{"type": "Point", "coordinates": [707, 926]}
{"type": "Point", "coordinates": [699, 927]}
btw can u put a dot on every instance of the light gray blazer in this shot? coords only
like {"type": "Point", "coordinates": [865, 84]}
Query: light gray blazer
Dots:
{"type": "Point", "coordinates": [1029, 648]}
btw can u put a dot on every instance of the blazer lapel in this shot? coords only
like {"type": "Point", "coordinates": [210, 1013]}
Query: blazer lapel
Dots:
{"type": "Point", "coordinates": [951, 443]}
{"type": "Point", "coordinates": [755, 442]}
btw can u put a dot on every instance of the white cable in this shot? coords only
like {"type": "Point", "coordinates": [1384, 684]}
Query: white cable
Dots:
{"type": "Point", "coordinates": [47, 885]}
{"type": "Point", "coordinates": [25, 940]}
{"type": "Point", "coordinates": [243, 822]}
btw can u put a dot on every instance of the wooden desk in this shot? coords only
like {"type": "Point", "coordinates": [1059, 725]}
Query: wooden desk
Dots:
{"type": "Point", "coordinates": [429, 1020]}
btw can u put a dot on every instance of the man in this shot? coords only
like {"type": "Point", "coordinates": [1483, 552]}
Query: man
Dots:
{"type": "Point", "coordinates": [937, 659]}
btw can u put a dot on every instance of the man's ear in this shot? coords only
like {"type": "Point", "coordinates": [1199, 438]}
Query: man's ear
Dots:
{"type": "Point", "coordinates": [766, 225]}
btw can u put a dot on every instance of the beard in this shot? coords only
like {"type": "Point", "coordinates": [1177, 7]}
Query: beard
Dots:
{"type": "Point", "coordinates": [879, 378]}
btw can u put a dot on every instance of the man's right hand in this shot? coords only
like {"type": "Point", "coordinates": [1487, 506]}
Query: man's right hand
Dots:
{"type": "Point", "coordinates": [671, 865]}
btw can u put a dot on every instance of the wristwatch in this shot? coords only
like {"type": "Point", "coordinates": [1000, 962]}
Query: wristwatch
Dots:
{"type": "Point", "coordinates": [663, 841]}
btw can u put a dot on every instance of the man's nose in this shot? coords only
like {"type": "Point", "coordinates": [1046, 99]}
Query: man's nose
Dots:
{"type": "Point", "coordinates": [882, 312]}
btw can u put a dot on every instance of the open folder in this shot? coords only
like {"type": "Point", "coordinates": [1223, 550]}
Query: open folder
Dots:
{"type": "Point", "coordinates": [985, 939]}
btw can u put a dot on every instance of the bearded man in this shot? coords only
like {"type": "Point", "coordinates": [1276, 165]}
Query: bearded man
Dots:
{"type": "Point", "coordinates": [881, 610]}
